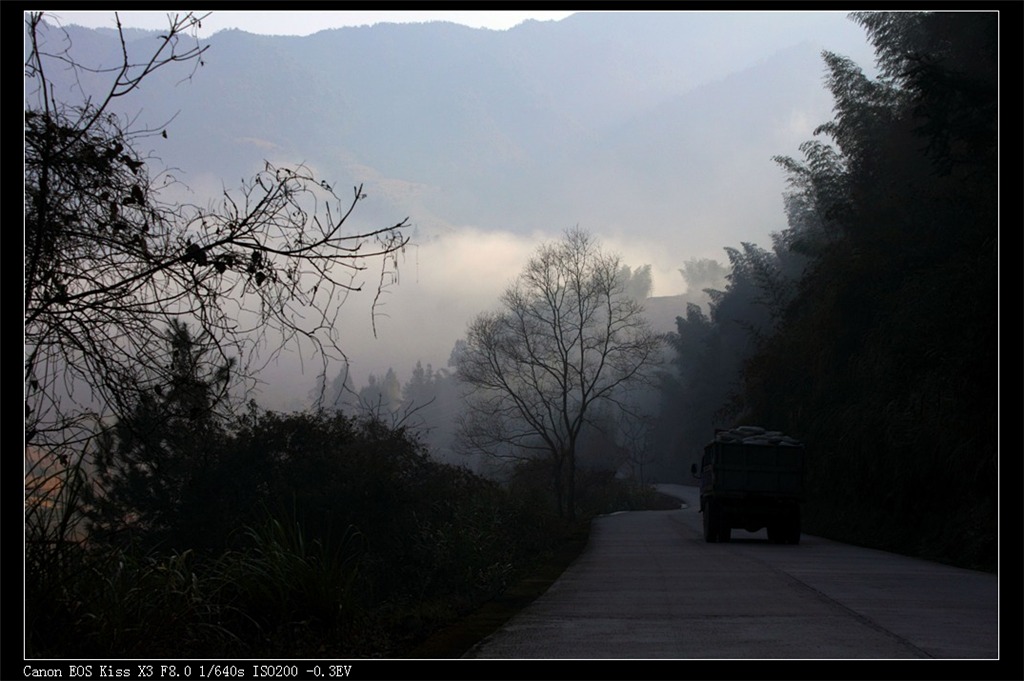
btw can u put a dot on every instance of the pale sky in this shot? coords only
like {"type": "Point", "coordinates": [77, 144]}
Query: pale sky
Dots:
{"type": "Point", "coordinates": [291, 22]}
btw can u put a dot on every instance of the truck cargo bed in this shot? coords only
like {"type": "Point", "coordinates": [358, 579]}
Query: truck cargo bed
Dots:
{"type": "Point", "coordinates": [773, 470]}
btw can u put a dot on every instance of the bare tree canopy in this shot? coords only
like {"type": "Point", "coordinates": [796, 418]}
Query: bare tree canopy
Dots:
{"type": "Point", "coordinates": [567, 337]}
{"type": "Point", "coordinates": [109, 263]}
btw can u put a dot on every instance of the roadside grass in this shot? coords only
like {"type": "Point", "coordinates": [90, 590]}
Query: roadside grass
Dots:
{"type": "Point", "coordinates": [473, 556]}
{"type": "Point", "coordinates": [457, 638]}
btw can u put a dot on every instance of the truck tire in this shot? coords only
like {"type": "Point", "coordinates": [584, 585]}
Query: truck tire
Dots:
{"type": "Point", "coordinates": [724, 529]}
{"type": "Point", "coordinates": [710, 522]}
{"type": "Point", "coordinates": [793, 528]}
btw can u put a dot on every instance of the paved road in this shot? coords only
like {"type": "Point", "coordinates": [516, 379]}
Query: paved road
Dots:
{"type": "Point", "coordinates": [649, 587]}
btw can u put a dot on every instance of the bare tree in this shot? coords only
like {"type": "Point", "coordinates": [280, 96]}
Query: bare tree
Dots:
{"type": "Point", "coordinates": [637, 431]}
{"type": "Point", "coordinates": [567, 338]}
{"type": "Point", "coordinates": [109, 263]}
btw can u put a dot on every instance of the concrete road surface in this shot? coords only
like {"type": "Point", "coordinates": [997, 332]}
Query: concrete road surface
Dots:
{"type": "Point", "coordinates": [649, 587]}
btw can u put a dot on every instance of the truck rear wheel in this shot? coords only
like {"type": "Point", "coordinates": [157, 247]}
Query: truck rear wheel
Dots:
{"type": "Point", "coordinates": [793, 528]}
{"type": "Point", "coordinates": [710, 522]}
{"type": "Point", "coordinates": [785, 530]}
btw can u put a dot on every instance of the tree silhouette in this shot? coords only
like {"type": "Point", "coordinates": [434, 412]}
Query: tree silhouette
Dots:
{"type": "Point", "coordinates": [155, 467]}
{"type": "Point", "coordinates": [109, 263]}
{"type": "Point", "coordinates": [886, 351]}
{"type": "Point", "coordinates": [568, 337]}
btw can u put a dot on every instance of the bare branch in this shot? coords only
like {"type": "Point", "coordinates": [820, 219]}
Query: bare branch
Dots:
{"type": "Point", "coordinates": [566, 340]}
{"type": "Point", "coordinates": [109, 264]}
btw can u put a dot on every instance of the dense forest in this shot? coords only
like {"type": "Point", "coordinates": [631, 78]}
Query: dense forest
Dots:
{"type": "Point", "coordinates": [870, 327]}
{"type": "Point", "coordinates": [166, 515]}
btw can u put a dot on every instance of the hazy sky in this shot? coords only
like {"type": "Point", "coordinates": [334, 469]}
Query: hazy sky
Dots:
{"type": "Point", "coordinates": [284, 22]}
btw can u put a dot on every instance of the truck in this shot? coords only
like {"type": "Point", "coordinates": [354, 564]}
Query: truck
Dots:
{"type": "Point", "coordinates": [751, 478]}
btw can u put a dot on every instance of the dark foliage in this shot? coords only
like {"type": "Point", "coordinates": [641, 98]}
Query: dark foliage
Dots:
{"type": "Point", "coordinates": [109, 260]}
{"type": "Point", "coordinates": [276, 533]}
{"type": "Point", "coordinates": [883, 355]}
{"type": "Point", "coordinates": [305, 534]}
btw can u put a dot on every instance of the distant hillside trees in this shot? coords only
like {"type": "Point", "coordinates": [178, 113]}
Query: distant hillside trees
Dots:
{"type": "Point", "coordinates": [381, 395]}
{"type": "Point", "coordinates": [432, 399]}
{"type": "Point", "coordinates": [333, 394]}
{"type": "Point", "coordinates": [701, 274]}
{"type": "Point", "coordinates": [566, 339]}
{"type": "Point", "coordinates": [638, 283]}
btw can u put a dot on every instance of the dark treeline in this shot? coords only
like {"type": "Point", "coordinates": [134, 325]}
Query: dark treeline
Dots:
{"type": "Point", "coordinates": [262, 534]}
{"type": "Point", "coordinates": [425, 404]}
{"type": "Point", "coordinates": [870, 327]}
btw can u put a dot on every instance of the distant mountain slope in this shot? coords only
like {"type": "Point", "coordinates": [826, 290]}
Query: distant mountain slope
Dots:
{"type": "Point", "coordinates": [652, 130]}
{"type": "Point", "coordinates": [656, 121]}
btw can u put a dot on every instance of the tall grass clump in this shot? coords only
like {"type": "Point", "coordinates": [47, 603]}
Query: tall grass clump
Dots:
{"type": "Point", "coordinates": [88, 600]}
{"type": "Point", "coordinates": [54, 551]}
{"type": "Point", "coordinates": [287, 587]}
